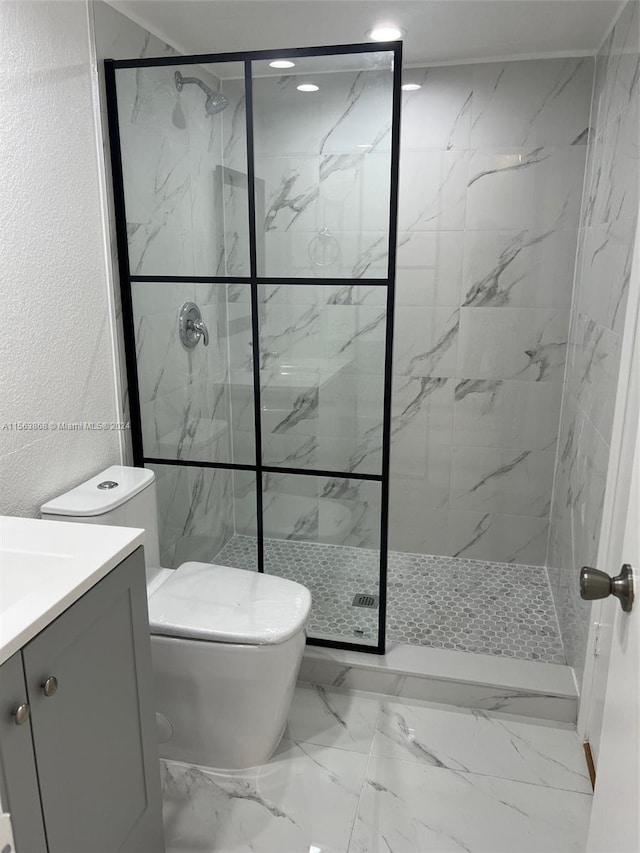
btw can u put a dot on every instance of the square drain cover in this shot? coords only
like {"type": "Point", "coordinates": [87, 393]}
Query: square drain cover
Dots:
{"type": "Point", "coordinates": [363, 599]}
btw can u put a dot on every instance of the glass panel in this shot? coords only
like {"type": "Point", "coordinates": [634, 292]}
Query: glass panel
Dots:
{"type": "Point", "coordinates": [241, 550]}
{"type": "Point", "coordinates": [325, 534]}
{"type": "Point", "coordinates": [196, 510]}
{"type": "Point", "coordinates": [195, 404]}
{"type": "Point", "coordinates": [322, 351]}
{"type": "Point", "coordinates": [185, 169]}
{"type": "Point", "coordinates": [324, 160]}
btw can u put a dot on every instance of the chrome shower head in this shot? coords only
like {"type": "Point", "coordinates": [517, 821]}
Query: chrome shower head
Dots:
{"type": "Point", "coordinates": [216, 101]}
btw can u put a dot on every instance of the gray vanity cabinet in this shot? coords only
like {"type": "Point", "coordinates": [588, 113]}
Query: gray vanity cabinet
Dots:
{"type": "Point", "coordinates": [89, 688]}
{"type": "Point", "coordinates": [18, 778]}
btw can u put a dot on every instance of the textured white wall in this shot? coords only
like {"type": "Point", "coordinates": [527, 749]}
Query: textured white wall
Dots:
{"type": "Point", "coordinates": [56, 345]}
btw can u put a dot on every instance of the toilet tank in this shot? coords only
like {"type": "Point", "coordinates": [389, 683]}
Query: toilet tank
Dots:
{"type": "Point", "coordinates": [120, 496]}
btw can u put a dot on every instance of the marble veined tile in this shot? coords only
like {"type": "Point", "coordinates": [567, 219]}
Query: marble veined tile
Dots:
{"type": "Point", "coordinates": [483, 743]}
{"type": "Point", "coordinates": [536, 102]}
{"type": "Point", "coordinates": [481, 535]}
{"type": "Point", "coordinates": [605, 273]}
{"type": "Point", "coordinates": [618, 64]}
{"type": "Point", "coordinates": [422, 411]}
{"type": "Point", "coordinates": [340, 720]}
{"type": "Point", "coordinates": [506, 413]}
{"type": "Point", "coordinates": [429, 268]}
{"type": "Point", "coordinates": [613, 192]}
{"type": "Point", "coordinates": [408, 807]}
{"type": "Point", "coordinates": [539, 188]}
{"type": "Point", "coordinates": [304, 798]}
{"type": "Point", "coordinates": [513, 343]}
{"type": "Point", "coordinates": [432, 190]}
{"type": "Point", "coordinates": [492, 479]}
{"type": "Point", "coordinates": [594, 373]}
{"type": "Point", "coordinates": [519, 269]}
{"type": "Point", "coordinates": [446, 98]}
{"type": "Point", "coordinates": [425, 341]}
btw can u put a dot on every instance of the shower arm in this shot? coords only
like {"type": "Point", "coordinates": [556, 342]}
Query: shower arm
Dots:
{"type": "Point", "coordinates": [206, 89]}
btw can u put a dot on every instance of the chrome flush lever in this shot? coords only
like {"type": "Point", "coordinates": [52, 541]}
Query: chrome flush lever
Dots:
{"type": "Point", "coordinates": [192, 326]}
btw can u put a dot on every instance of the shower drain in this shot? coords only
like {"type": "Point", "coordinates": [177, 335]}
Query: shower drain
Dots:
{"type": "Point", "coordinates": [363, 599]}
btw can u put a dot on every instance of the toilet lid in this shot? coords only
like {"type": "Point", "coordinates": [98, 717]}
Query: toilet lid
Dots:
{"type": "Point", "coordinates": [225, 605]}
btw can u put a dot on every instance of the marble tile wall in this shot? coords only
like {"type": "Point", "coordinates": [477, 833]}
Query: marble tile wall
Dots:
{"type": "Point", "coordinates": [172, 158]}
{"type": "Point", "coordinates": [170, 150]}
{"type": "Point", "coordinates": [492, 168]}
{"type": "Point", "coordinates": [322, 172]}
{"type": "Point", "coordinates": [605, 248]}
{"type": "Point", "coordinates": [324, 157]}
{"type": "Point", "coordinates": [491, 177]}
{"type": "Point", "coordinates": [117, 37]}
{"type": "Point", "coordinates": [195, 512]}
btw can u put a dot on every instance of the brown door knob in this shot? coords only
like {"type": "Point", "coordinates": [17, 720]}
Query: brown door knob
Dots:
{"type": "Point", "coordinates": [595, 584]}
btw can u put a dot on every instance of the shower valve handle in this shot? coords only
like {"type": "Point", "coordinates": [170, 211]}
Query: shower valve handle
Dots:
{"type": "Point", "coordinates": [191, 326]}
{"type": "Point", "coordinates": [199, 327]}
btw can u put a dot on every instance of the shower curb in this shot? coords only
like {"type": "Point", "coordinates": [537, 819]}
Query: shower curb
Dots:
{"type": "Point", "coordinates": [480, 682]}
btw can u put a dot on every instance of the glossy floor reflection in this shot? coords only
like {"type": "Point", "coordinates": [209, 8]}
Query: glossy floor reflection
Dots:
{"type": "Point", "coordinates": [357, 773]}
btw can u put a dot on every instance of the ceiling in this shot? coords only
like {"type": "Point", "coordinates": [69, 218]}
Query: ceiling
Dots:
{"type": "Point", "coordinates": [437, 30]}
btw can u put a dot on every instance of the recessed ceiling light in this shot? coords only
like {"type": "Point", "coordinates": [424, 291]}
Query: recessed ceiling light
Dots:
{"type": "Point", "coordinates": [386, 32]}
{"type": "Point", "coordinates": [282, 63]}
{"type": "Point", "coordinates": [307, 87]}
{"type": "Point", "coordinates": [411, 87]}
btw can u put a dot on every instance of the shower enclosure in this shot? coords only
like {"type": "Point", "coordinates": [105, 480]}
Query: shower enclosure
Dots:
{"type": "Point", "coordinates": [258, 203]}
{"type": "Point", "coordinates": [256, 216]}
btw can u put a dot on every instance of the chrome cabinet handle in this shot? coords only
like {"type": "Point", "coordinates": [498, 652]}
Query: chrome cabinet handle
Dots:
{"type": "Point", "coordinates": [191, 326]}
{"type": "Point", "coordinates": [21, 714]}
{"type": "Point", "coordinates": [50, 686]}
{"type": "Point", "coordinates": [595, 584]}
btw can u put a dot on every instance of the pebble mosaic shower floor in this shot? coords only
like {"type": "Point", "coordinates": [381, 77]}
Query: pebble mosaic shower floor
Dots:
{"type": "Point", "coordinates": [446, 602]}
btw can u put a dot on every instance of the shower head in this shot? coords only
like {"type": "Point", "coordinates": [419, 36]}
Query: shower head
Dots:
{"type": "Point", "coordinates": [215, 103]}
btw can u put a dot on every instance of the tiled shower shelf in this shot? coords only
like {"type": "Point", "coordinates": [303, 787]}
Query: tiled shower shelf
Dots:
{"type": "Point", "coordinates": [298, 373]}
{"type": "Point", "coordinates": [450, 603]}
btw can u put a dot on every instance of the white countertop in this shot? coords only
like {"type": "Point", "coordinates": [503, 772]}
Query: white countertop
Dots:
{"type": "Point", "coordinates": [47, 565]}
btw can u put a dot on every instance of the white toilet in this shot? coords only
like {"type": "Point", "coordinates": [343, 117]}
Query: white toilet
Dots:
{"type": "Point", "coordinates": [226, 643]}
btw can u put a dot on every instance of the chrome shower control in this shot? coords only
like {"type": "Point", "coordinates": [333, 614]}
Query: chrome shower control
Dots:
{"type": "Point", "coordinates": [108, 484]}
{"type": "Point", "coordinates": [191, 326]}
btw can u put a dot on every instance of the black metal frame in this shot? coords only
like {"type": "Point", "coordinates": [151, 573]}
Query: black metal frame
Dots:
{"type": "Point", "coordinates": [254, 281]}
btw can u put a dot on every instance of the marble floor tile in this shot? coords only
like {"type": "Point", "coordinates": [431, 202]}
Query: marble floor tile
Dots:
{"type": "Point", "coordinates": [482, 743]}
{"type": "Point", "coordinates": [339, 720]}
{"type": "Point", "coordinates": [305, 798]}
{"type": "Point", "coordinates": [409, 807]}
{"type": "Point", "coordinates": [433, 779]}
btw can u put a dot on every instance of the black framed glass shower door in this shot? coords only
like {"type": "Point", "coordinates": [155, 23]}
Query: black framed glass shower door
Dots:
{"type": "Point", "coordinates": [266, 197]}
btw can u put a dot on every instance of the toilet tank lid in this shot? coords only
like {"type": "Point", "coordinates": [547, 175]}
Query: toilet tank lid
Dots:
{"type": "Point", "coordinates": [89, 498]}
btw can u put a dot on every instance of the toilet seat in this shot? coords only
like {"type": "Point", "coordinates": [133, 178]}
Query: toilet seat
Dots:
{"type": "Point", "coordinates": [221, 604]}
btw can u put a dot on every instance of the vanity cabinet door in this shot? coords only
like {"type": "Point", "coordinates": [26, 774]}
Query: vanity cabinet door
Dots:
{"type": "Point", "coordinates": [94, 736]}
{"type": "Point", "coordinates": [18, 779]}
